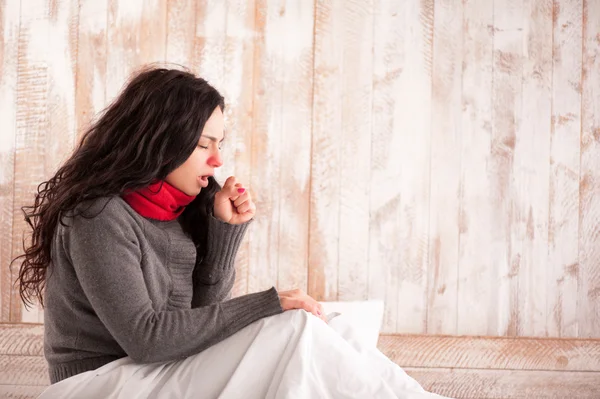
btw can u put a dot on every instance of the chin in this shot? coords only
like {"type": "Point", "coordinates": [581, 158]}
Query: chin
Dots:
{"type": "Point", "coordinates": [195, 192]}
{"type": "Point", "coordinates": [190, 190]}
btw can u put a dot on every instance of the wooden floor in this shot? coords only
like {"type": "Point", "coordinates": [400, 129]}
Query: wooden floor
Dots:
{"type": "Point", "coordinates": [458, 367]}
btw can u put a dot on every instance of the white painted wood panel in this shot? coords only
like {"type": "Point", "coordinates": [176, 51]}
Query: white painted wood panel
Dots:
{"type": "Point", "coordinates": [92, 49]}
{"type": "Point", "coordinates": [506, 125]}
{"type": "Point", "coordinates": [9, 52]}
{"type": "Point", "coordinates": [446, 140]}
{"type": "Point", "coordinates": [341, 150]}
{"type": "Point", "coordinates": [32, 125]}
{"type": "Point", "coordinates": [289, 46]}
{"type": "Point", "coordinates": [399, 189]}
{"type": "Point", "coordinates": [588, 278]}
{"type": "Point", "coordinates": [563, 230]}
{"type": "Point", "coordinates": [475, 273]}
{"type": "Point", "coordinates": [532, 168]}
{"type": "Point", "coordinates": [281, 144]}
{"type": "Point", "coordinates": [238, 90]}
{"type": "Point", "coordinates": [222, 53]}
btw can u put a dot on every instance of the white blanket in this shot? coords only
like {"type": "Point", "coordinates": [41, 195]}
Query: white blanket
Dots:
{"type": "Point", "coordinates": [290, 355]}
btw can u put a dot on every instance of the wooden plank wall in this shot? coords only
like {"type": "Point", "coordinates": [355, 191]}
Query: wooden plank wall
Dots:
{"type": "Point", "coordinates": [442, 155]}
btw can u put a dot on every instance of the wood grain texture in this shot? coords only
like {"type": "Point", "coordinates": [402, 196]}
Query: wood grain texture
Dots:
{"type": "Point", "coordinates": [412, 124]}
{"type": "Point", "coordinates": [506, 127]}
{"type": "Point", "coordinates": [532, 169]}
{"type": "Point", "coordinates": [180, 32]}
{"type": "Point", "coordinates": [92, 48]}
{"type": "Point", "coordinates": [20, 391]}
{"type": "Point", "coordinates": [513, 384]}
{"type": "Point", "coordinates": [32, 125]}
{"type": "Point", "coordinates": [327, 132]}
{"type": "Point", "coordinates": [355, 150]}
{"type": "Point", "coordinates": [60, 135]}
{"type": "Point", "coordinates": [399, 191]}
{"type": "Point", "coordinates": [62, 70]}
{"type": "Point", "coordinates": [444, 205]}
{"type": "Point", "coordinates": [121, 38]}
{"type": "Point", "coordinates": [384, 223]}
{"type": "Point", "coordinates": [24, 370]}
{"type": "Point", "coordinates": [239, 96]}
{"type": "Point", "coordinates": [588, 279]}
{"type": "Point", "coordinates": [554, 354]}
{"type": "Point", "coordinates": [266, 145]}
{"type": "Point", "coordinates": [282, 136]}
{"type": "Point", "coordinates": [341, 149]}
{"type": "Point", "coordinates": [563, 229]}
{"type": "Point", "coordinates": [209, 43]}
{"type": "Point", "coordinates": [223, 55]}
{"type": "Point", "coordinates": [290, 45]}
{"type": "Point", "coordinates": [475, 275]}
{"type": "Point", "coordinates": [22, 339]}
{"type": "Point", "coordinates": [9, 49]}
{"type": "Point", "coordinates": [136, 36]}
{"type": "Point", "coordinates": [223, 50]}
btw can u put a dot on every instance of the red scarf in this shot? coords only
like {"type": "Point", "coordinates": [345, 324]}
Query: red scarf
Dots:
{"type": "Point", "coordinates": [160, 201]}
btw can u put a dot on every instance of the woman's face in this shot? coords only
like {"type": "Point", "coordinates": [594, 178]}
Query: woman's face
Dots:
{"type": "Point", "coordinates": [193, 174]}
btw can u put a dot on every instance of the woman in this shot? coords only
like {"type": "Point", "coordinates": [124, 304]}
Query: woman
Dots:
{"type": "Point", "coordinates": [133, 251]}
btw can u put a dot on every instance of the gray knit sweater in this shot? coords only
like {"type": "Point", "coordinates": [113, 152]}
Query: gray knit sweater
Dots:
{"type": "Point", "coordinates": [123, 285]}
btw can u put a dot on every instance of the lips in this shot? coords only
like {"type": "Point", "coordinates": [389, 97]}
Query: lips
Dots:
{"type": "Point", "coordinates": [203, 180]}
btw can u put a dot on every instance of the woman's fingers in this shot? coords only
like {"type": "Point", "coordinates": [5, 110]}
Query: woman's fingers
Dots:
{"type": "Point", "coordinates": [297, 299]}
{"type": "Point", "coordinates": [230, 185]}
{"type": "Point", "coordinates": [242, 198]}
{"type": "Point", "coordinates": [245, 207]}
{"type": "Point", "coordinates": [243, 203]}
{"type": "Point", "coordinates": [320, 309]}
{"type": "Point", "coordinates": [317, 312]}
{"type": "Point", "coordinates": [311, 306]}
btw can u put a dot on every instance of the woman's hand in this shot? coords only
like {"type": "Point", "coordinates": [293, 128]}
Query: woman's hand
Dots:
{"type": "Point", "coordinates": [297, 299]}
{"type": "Point", "coordinates": [233, 204]}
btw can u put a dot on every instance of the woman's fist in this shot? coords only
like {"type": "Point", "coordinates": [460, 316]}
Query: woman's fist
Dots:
{"type": "Point", "coordinates": [233, 204]}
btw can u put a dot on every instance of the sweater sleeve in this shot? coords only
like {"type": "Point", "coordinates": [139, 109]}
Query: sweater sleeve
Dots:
{"type": "Point", "coordinates": [214, 274]}
{"type": "Point", "coordinates": [106, 256]}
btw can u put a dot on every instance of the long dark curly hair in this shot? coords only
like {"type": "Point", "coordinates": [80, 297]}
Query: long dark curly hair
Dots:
{"type": "Point", "coordinates": [147, 132]}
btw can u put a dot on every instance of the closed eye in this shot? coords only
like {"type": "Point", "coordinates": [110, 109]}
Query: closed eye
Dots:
{"type": "Point", "coordinates": [206, 147]}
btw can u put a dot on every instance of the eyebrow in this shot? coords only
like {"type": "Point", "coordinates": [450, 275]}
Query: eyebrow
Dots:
{"type": "Point", "coordinates": [211, 138]}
